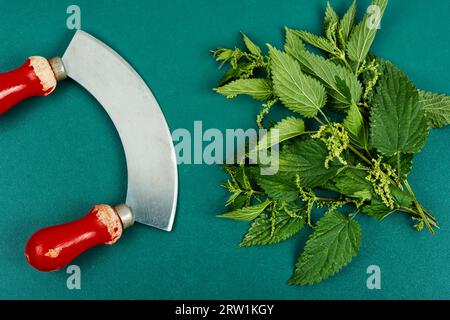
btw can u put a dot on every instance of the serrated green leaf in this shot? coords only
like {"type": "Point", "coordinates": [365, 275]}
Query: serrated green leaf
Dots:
{"type": "Point", "coordinates": [401, 198]}
{"type": "Point", "coordinates": [286, 129]}
{"type": "Point", "coordinates": [247, 213]}
{"type": "Point", "coordinates": [293, 44]}
{"type": "Point", "coordinates": [331, 23]}
{"type": "Point", "coordinates": [352, 183]}
{"type": "Point", "coordinates": [297, 91]}
{"type": "Point", "coordinates": [280, 186]}
{"type": "Point", "coordinates": [333, 244]}
{"type": "Point", "coordinates": [264, 232]}
{"type": "Point", "coordinates": [245, 176]}
{"type": "Point", "coordinates": [330, 16]}
{"type": "Point", "coordinates": [397, 121]}
{"type": "Point", "coordinates": [233, 74]}
{"type": "Point", "coordinates": [243, 70]}
{"type": "Point", "coordinates": [437, 108]}
{"type": "Point", "coordinates": [348, 20]}
{"type": "Point", "coordinates": [258, 89]}
{"type": "Point", "coordinates": [233, 197]}
{"type": "Point", "coordinates": [228, 55]}
{"type": "Point", "coordinates": [342, 87]}
{"type": "Point", "coordinates": [316, 41]}
{"type": "Point", "coordinates": [329, 186]}
{"type": "Point", "coordinates": [242, 179]}
{"type": "Point", "coordinates": [238, 202]}
{"type": "Point", "coordinates": [307, 158]}
{"type": "Point", "coordinates": [356, 127]}
{"type": "Point", "coordinates": [363, 34]}
{"type": "Point", "coordinates": [377, 209]}
{"type": "Point", "coordinates": [251, 46]}
{"type": "Point", "coordinates": [328, 73]}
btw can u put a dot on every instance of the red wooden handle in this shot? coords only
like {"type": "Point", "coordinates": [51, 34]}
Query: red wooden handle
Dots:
{"type": "Point", "coordinates": [54, 247]}
{"type": "Point", "coordinates": [34, 78]}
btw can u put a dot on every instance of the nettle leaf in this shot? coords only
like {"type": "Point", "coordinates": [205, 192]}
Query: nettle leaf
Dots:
{"type": "Point", "coordinates": [293, 44]}
{"type": "Point", "coordinates": [331, 23]}
{"type": "Point", "coordinates": [356, 127]}
{"type": "Point", "coordinates": [330, 16]}
{"type": "Point", "coordinates": [316, 41]}
{"type": "Point", "coordinates": [401, 198]}
{"type": "Point", "coordinates": [247, 213]}
{"type": "Point", "coordinates": [363, 34]}
{"type": "Point", "coordinates": [286, 129]}
{"type": "Point", "coordinates": [243, 70]}
{"type": "Point", "coordinates": [307, 159]}
{"type": "Point", "coordinates": [329, 186]}
{"type": "Point", "coordinates": [252, 47]}
{"type": "Point", "coordinates": [333, 244]}
{"type": "Point", "coordinates": [437, 108]}
{"type": "Point", "coordinates": [233, 74]}
{"type": "Point", "coordinates": [329, 74]}
{"type": "Point", "coordinates": [377, 209]}
{"type": "Point", "coordinates": [280, 186]}
{"type": "Point", "coordinates": [258, 89]}
{"type": "Point", "coordinates": [238, 201]}
{"type": "Point", "coordinates": [224, 55]}
{"type": "Point", "coordinates": [297, 91]}
{"type": "Point", "coordinates": [264, 231]}
{"type": "Point", "coordinates": [240, 185]}
{"type": "Point", "coordinates": [243, 176]}
{"type": "Point", "coordinates": [398, 122]}
{"type": "Point", "coordinates": [352, 183]}
{"type": "Point", "coordinates": [348, 20]}
{"type": "Point", "coordinates": [240, 175]}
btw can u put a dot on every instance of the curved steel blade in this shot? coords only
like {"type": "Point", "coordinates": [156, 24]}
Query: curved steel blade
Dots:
{"type": "Point", "coordinates": [150, 155]}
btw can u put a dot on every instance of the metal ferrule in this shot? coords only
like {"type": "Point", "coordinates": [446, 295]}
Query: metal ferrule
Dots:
{"type": "Point", "coordinates": [126, 215]}
{"type": "Point", "coordinates": [58, 68]}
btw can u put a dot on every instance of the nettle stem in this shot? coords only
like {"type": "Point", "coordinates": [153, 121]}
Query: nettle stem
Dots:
{"type": "Point", "coordinates": [320, 199]}
{"type": "Point", "coordinates": [419, 207]}
{"type": "Point", "coordinates": [319, 121]}
{"type": "Point", "coordinates": [399, 171]}
{"type": "Point", "coordinates": [359, 154]}
{"type": "Point", "coordinates": [417, 215]}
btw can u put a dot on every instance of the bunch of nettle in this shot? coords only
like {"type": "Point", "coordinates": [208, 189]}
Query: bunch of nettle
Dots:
{"type": "Point", "coordinates": [361, 161]}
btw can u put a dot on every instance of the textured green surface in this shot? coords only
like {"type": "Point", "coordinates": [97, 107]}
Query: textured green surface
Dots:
{"type": "Point", "coordinates": [60, 155]}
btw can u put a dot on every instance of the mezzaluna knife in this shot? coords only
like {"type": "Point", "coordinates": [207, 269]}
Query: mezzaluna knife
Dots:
{"type": "Point", "coordinates": [146, 139]}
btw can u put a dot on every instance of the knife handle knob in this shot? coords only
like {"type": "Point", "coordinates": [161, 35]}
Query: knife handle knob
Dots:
{"type": "Point", "coordinates": [36, 77]}
{"type": "Point", "coordinates": [52, 248]}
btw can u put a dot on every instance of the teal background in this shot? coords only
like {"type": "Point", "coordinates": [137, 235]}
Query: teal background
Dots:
{"type": "Point", "coordinates": [61, 154]}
